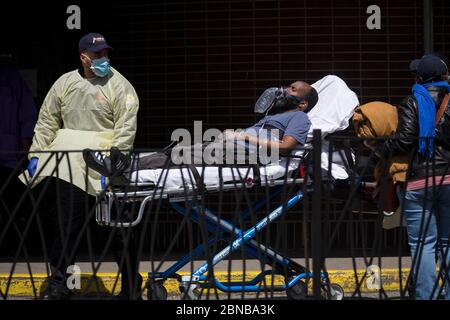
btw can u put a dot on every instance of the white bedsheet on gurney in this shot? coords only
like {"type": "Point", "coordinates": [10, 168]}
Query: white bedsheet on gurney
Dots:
{"type": "Point", "coordinates": [177, 178]}
{"type": "Point", "coordinates": [332, 113]}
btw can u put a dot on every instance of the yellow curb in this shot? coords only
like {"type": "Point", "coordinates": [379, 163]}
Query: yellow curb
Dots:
{"type": "Point", "coordinates": [108, 283]}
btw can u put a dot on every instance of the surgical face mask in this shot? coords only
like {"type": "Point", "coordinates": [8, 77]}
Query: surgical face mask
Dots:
{"type": "Point", "coordinates": [100, 67]}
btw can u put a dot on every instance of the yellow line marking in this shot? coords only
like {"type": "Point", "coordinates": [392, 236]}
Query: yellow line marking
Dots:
{"type": "Point", "coordinates": [21, 284]}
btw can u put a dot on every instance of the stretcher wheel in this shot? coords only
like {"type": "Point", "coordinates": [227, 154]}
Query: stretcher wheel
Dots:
{"type": "Point", "coordinates": [336, 292]}
{"type": "Point", "coordinates": [156, 291]}
{"type": "Point", "coordinates": [297, 292]}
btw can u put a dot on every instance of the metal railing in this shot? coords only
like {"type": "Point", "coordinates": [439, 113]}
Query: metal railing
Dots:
{"type": "Point", "coordinates": [304, 235]}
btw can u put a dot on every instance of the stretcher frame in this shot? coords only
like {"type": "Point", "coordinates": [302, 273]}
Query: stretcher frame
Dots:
{"type": "Point", "coordinates": [296, 275]}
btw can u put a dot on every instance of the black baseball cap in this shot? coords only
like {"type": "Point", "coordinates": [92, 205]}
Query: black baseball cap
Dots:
{"type": "Point", "coordinates": [94, 42]}
{"type": "Point", "coordinates": [414, 65]}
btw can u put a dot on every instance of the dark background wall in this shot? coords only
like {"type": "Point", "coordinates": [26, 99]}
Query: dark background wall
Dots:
{"type": "Point", "coordinates": [209, 60]}
{"type": "Point", "coordinates": [441, 11]}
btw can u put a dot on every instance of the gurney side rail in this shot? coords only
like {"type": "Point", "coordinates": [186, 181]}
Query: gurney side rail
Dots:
{"type": "Point", "coordinates": [104, 206]}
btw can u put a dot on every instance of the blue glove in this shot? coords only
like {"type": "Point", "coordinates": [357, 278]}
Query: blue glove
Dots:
{"type": "Point", "coordinates": [103, 182]}
{"type": "Point", "coordinates": [32, 165]}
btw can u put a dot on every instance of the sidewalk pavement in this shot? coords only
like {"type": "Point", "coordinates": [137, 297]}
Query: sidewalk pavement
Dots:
{"type": "Point", "coordinates": [340, 270]}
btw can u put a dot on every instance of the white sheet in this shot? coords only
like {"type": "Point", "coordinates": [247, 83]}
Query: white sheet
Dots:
{"type": "Point", "coordinates": [335, 106]}
{"type": "Point", "coordinates": [332, 113]}
{"type": "Point", "coordinates": [177, 178]}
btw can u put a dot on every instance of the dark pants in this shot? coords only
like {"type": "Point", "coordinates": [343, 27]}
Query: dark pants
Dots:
{"type": "Point", "coordinates": [67, 208]}
{"type": "Point", "coordinates": [204, 153]}
{"type": "Point", "coordinates": [10, 194]}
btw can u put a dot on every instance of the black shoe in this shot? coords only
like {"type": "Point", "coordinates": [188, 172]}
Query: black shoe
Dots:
{"type": "Point", "coordinates": [97, 162]}
{"type": "Point", "coordinates": [112, 166]}
{"type": "Point", "coordinates": [119, 162]}
{"type": "Point", "coordinates": [56, 290]}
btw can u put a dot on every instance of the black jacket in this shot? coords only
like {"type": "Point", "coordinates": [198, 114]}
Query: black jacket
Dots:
{"type": "Point", "coordinates": [406, 137]}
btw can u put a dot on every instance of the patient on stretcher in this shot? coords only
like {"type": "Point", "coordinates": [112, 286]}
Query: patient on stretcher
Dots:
{"type": "Point", "coordinates": [331, 114]}
{"type": "Point", "coordinates": [284, 127]}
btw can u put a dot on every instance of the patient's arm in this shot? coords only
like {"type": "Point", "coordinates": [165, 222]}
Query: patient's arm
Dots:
{"type": "Point", "coordinates": [285, 146]}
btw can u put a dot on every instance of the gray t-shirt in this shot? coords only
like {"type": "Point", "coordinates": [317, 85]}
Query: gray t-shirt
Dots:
{"type": "Point", "coordinates": [295, 124]}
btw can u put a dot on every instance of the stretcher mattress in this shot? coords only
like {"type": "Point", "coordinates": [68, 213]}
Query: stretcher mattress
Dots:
{"type": "Point", "coordinates": [178, 178]}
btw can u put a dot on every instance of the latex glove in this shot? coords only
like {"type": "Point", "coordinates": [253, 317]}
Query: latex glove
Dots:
{"type": "Point", "coordinates": [32, 165]}
{"type": "Point", "coordinates": [103, 182]}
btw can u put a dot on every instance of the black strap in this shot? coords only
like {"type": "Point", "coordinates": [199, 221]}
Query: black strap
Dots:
{"type": "Point", "coordinates": [442, 108]}
{"type": "Point", "coordinates": [256, 173]}
{"type": "Point", "coordinates": [345, 145]}
{"type": "Point", "coordinates": [348, 155]}
{"type": "Point", "coordinates": [220, 176]}
{"type": "Point", "coordinates": [197, 177]}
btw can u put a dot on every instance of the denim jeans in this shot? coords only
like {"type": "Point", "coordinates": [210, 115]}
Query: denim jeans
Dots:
{"type": "Point", "coordinates": [428, 235]}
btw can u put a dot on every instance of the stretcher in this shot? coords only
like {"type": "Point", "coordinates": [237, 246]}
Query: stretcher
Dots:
{"type": "Point", "coordinates": [244, 177]}
{"type": "Point", "coordinates": [185, 187]}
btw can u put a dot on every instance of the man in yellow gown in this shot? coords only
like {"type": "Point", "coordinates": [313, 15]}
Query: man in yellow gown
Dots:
{"type": "Point", "coordinates": [94, 106]}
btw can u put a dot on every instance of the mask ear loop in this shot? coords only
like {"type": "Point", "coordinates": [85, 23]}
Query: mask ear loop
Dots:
{"type": "Point", "coordinates": [86, 56]}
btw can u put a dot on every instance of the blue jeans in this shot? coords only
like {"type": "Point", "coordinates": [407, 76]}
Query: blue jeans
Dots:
{"type": "Point", "coordinates": [428, 236]}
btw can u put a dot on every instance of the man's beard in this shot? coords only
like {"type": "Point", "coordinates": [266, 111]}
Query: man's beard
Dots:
{"type": "Point", "coordinates": [286, 103]}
